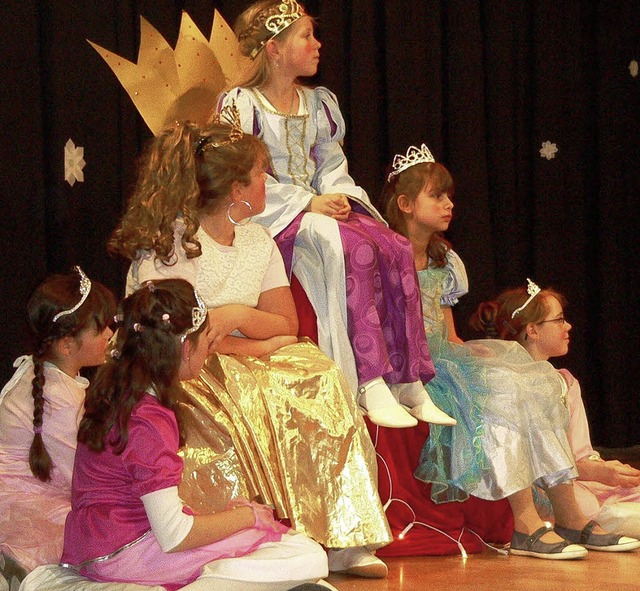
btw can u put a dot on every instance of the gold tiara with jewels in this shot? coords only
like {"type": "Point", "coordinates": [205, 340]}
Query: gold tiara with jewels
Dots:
{"type": "Point", "coordinates": [228, 115]}
{"type": "Point", "coordinates": [182, 84]}
{"type": "Point", "coordinates": [288, 12]}
{"type": "Point", "coordinates": [413, 156]}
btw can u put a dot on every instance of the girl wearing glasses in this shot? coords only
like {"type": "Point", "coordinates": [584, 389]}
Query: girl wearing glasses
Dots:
{"type": "Point", "coordinates": [506, 397]}
{"type": "Point", "coordinates": [607, 491]}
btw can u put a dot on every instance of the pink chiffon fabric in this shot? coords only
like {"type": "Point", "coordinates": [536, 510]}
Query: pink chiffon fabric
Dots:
{"type": "Point", "coordinates": [32, 512]}
{"type": "Point", "coordinates": [616, 508]}
{"type": "Point", "coordinates": [145, 563]}
{"type": "Point", "coordinates": [108, 535]}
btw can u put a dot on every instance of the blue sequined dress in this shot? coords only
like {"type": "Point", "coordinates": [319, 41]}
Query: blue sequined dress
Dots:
{"type": "Point", "coordinates": [512, 420]}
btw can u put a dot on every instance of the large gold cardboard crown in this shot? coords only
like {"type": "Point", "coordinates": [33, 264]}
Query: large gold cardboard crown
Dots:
{"type": "Point", "coordinates": [169, 85]}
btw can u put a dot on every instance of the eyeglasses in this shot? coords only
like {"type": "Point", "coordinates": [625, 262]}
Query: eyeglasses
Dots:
{"type": "Point", "coordinates": [560, 320]}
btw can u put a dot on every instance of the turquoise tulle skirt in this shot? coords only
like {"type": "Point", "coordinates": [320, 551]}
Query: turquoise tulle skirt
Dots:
{"type": "Point", "coordinates": [512, 422]}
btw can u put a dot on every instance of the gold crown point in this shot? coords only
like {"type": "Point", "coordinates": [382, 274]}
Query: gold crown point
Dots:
{"type": "Point", "coordinates": [168, 84]}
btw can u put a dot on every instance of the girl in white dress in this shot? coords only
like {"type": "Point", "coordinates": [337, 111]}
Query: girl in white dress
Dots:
{"type": "Point", "coordinates": [607, 492]}
{"type": "Point", "coordinates": [357, 274]}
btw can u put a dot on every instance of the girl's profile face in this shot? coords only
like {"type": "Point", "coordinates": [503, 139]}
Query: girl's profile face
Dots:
{"type": "Point", "coordinates": [90, 345]}
{"type": "Point", "coordinates": [432, 209]}
{"type": "Point", "coordinates": [553, 331]}
{"type": "Point", "coordinates": [301, 49]}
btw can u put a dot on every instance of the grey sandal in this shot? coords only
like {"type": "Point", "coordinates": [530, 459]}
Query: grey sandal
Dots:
{"type": "Point", "coordinates": [531, 545]}
{"type": "Point", "coordinates": [601, 542]}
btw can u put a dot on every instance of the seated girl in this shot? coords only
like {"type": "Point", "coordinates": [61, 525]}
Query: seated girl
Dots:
{"type": "Point", "coordinates": [356, 272]}
{"type": "Point", "coordinates": [265, 420]}
{"type": "Point", "coordinates": [127, 522]}
{"type": "Point", "coordinates": [506, 397]}
{"type": "Point", "coordinates": [606, 491]}
{"type": "Point", "coordinates": [40, 410]}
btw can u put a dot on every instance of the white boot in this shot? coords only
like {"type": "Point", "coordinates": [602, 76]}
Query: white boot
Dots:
{"type": "Point", "coordinates": [415, 398]}
{"type": "Point", "coordinates": [378, 403]}
{"type": "Point", "coordinates": [356, 561]}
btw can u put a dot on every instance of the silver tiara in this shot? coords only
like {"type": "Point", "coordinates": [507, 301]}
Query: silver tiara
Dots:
{"type": "Point", "coordinates": [414, 156]}
{"type": "Point", "coordinates": [198, 316]}
{"type": "Point", "coordinates": [85, 288]}
{"type": "Point", "coordinates": [533, 290]}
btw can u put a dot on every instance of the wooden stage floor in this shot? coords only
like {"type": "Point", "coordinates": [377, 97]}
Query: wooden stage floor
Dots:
{"type": "Point", "coordinates": [489, 571]}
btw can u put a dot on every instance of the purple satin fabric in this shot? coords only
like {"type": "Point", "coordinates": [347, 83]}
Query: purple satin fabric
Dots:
{"type": "Point", "coordinates": [383, 300]}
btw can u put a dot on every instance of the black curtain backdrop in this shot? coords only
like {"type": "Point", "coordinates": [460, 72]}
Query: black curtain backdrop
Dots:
{"type": "Point", "coordinates": [483, 83]}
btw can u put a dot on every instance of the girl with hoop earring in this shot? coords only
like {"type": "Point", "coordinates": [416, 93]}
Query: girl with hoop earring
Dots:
{"type": "Point", "coordinates": [268, 417]}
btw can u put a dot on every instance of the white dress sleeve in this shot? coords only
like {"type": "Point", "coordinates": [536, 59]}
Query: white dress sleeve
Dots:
{"type": "Point", "coordinates": [169, 523]}
{"type": "Point", "coordinates": [276, 275]}
{"type": "Point", "coordinates": [579, 437]}
{"type": "Point", "coordinates": [332, 174]}
{"type": "Point", "coordinates": [456, 283]}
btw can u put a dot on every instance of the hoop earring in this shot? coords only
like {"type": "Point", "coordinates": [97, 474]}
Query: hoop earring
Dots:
{"type": "Point", "coordinates": [243, 221]}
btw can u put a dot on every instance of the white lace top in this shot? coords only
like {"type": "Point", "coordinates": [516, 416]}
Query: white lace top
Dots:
{"type": "Point", "coordinates": [235, 274]}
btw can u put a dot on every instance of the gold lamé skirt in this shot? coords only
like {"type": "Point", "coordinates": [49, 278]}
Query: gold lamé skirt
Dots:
{"type": "Point", "coordinates": [285, 431]}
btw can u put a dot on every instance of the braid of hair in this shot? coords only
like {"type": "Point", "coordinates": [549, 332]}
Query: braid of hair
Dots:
{"type": "Point", "coordinates": [39, 459]}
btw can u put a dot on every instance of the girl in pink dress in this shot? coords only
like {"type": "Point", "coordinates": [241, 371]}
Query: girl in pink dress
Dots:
{"type": "Point", "coordinates": [606, 490]}
{"type": "Point", "coordinates": [127, 522]}
{"type": "Point", "coordinates": [40, 410]}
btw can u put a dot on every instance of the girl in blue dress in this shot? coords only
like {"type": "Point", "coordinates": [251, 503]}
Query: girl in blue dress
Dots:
{"type": "Point", "coordinates": [511, 420]}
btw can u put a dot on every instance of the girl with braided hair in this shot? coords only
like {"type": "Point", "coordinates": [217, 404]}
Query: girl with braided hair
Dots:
{"type": "Point", "coordinates": [40, 410]}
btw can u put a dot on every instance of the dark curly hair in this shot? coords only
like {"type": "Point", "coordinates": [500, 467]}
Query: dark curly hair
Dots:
{"type": "Point", "coordinates": [147, 355]}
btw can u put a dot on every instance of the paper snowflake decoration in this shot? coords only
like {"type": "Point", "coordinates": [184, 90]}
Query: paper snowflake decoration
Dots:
{"type": "Point", "coordinates": [633, 68]}
{"type": "Point", "coordinates": [548, 150]}
{"type": "Point", "coordinates": [73, 163]}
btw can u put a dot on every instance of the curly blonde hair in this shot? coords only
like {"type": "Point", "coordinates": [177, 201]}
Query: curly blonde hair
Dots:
{"type": "Point", "coordinates": [182, 175]}
{"type": "Point", "coordinates": [411, 182]}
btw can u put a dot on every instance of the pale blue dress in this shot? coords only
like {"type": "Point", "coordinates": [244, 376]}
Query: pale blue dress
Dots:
{"type": "Point", "coordinates": [512, 420]}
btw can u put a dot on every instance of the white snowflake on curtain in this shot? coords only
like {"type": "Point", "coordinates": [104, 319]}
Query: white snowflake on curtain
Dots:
{"type": "Point", "coordinates": [73, 163]}
{"type": "Point", "coordinates": [633, 68]}
{"type": "Point", "coordinates": [548, 150]}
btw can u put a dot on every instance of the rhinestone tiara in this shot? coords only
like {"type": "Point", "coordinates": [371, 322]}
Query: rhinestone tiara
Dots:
{"type": "Point", "coordinates": [413, 156]}
{"type": "Point", "coordinates": [85, 288]}
{"type": "Point", "coordinates": [533, 290]}
{"type": "Point", "coordinates": [198, 316]}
